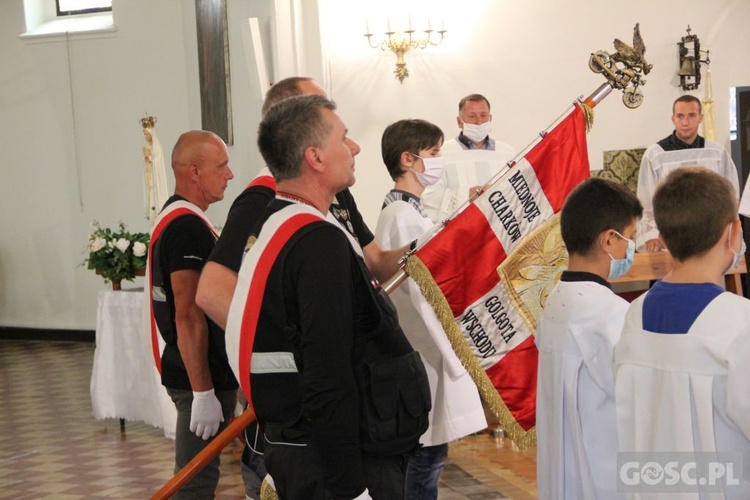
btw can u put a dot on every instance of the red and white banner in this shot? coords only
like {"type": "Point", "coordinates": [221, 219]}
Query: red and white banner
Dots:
{"type": "Point", "coordinates": [464, 257]}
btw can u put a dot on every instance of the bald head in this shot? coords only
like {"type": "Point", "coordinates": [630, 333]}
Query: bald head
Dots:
{"type": "Point", "coordinates": [291, 87]}
{"type": "Point", "coordinates": [201, 167]}
{"type": "Point", "coordinates": [192, 147]}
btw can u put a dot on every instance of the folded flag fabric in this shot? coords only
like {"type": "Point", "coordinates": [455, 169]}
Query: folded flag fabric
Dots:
{"type": "Point", "coordinates": [487, 272]}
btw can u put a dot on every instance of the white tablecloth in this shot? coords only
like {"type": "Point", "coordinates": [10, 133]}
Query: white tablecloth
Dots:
{"type": "Point", "coordinates": [124, 380]}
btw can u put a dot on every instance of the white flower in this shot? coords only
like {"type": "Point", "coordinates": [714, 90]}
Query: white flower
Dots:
{"type": "Point", "coordinates": [98, 244]}
{"type": "Point", "coordinates": [139, 249]}
{"type": "Point", "coordinates": [122, 244]}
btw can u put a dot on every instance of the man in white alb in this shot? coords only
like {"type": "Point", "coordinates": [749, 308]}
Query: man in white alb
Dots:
{"type": "Point", "coordinates": [471, 159]}
{"type": "Point", "coordinates": [683, 148]}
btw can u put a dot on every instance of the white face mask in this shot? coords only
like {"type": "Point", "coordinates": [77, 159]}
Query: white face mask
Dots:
{"type": "Point", "coordinates": [477, 133]}
{"type": "Point", "coordinates": [433, 170]}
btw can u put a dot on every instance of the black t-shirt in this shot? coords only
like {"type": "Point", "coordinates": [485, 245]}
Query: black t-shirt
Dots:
{"type": "Point", "coordinates": [247, 209]}
{"type": "Point", "coordinates": [243, 215]}
{"type": "Point", "coordinates": [344, 209]}
{"type": "Point", "coordinates": [185, 244]}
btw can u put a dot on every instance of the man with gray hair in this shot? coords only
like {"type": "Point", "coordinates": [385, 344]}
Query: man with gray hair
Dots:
{"type": "Point", "coordinates": [219, 277]}
{"type": "Point", "coordinates": [314, 340]}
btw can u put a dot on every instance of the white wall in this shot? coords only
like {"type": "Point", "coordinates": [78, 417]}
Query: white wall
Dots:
{"type": "Point", "coordinates": [49, 198]}
{"type": "Point", "coordinates": [529, 58]}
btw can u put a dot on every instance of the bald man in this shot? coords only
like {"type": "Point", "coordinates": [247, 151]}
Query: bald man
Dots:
{"type": "Point", "coordinates": [193, 362]}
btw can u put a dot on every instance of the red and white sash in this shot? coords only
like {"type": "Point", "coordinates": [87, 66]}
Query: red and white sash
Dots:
{"type": "Point", "coordinates": [265, 179]}
{"type": "Point", "coordinates": [242, 321]}
{"type": "Point", "coordinates": [169, 214]}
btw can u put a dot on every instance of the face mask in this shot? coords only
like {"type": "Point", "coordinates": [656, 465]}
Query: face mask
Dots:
{"type": "Point", "coordinates": [618, 267]}
{"type": "Point", "coordinates": [433, 170]}
{"type": "Point", "coordinates": [737, 256]}
{"type": "Point", "coordinates": [477, 133]}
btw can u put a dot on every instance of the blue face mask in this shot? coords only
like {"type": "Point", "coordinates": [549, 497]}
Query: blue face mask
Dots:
{"type": "Point", "coordinates": [618, 267]}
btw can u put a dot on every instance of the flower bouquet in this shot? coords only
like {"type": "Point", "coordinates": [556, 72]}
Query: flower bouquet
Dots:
{"type": "Point", "coordinates": [116, 254]}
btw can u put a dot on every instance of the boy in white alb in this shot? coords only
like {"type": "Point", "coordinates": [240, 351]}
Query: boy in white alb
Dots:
{"type": "Point", "coordinates": [411, 152]}
{"type": "Point", "coordinates": [576, 421]}
{"type": "Point", "coordinates": [683, 361]}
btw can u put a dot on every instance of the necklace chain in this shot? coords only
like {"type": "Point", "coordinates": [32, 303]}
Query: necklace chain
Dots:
{"type": "Point", "coordinates": [293, 197]}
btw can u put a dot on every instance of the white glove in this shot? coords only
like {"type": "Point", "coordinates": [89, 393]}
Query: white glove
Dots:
{"type": "Point", "coordinates": [365, 495]}
{"type": "Point", "coordinates": [205, 414]}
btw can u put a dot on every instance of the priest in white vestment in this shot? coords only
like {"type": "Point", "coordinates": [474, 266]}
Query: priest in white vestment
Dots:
{"type": "Point", "coordinates": [682, 148]}
{"type": "Point", "coordinates": [471, 159]}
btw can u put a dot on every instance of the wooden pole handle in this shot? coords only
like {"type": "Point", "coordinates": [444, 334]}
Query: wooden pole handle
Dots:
{"type": "Point", "coordinates": [206, 455]}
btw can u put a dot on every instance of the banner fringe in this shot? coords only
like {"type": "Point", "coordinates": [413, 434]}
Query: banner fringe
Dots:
{"type": "Point", "coordinates": [416, 269]}
{"type": "Point", "coordinates": [588, 113]}
{"type": "Point", "coordinates": [267, 492]}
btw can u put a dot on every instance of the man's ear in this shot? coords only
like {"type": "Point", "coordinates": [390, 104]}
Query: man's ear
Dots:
{"type": "Point", "coordinates": [459, 122]}
{"type": "Point", "coordinates": [193, 171]}
{"type": "Point", "coordinates": [313, 159]}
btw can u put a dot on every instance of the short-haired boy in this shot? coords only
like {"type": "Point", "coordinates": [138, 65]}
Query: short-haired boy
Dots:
{"type": "Point", "coordinates": [411, 152]}
{"type": "Point", "coordinates": [576, 420]}
{"type": "Point", "coordinates": [683, 361]}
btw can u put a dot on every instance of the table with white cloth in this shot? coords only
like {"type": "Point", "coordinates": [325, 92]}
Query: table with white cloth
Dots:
{"type": "Point", "coordinates": [124, 381]}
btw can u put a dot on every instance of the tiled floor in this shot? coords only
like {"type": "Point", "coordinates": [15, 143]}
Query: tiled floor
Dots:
{"type": "Point", "coordinates": [51, 446]}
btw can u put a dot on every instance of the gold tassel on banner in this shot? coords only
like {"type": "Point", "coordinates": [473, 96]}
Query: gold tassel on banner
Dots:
{"type": "Point", "coordinates": [588, 113]}
{"type": "Point", "coordinates": [416, 269]}
{"type": "Point", "coordinates": [267, 492]}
